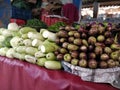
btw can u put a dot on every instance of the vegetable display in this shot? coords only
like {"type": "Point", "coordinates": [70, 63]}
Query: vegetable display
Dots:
{"type": "Point", "coordinates": [90, 46]}
{"type": "Point", "coordinates": [27, 44]}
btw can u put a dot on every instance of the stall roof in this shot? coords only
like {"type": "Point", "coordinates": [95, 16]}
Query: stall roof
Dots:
{"type": "Point", "coordinates": [89, 3]}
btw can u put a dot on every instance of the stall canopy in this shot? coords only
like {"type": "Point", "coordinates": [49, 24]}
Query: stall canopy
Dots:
{"type": "Point", "coordinates": [89, 3]}
{"type": "Point", "coordinates": [99, 3]}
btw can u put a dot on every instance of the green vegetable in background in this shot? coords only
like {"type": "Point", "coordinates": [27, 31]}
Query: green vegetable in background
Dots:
{"type": "Point", "coordinates": [55, 27]}
{"type": "Point", "coordinates": [36, 23]}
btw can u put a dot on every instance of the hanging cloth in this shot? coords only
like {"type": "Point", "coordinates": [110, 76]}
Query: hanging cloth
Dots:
{"type": "Point", "coordinates": [77, 3]}
{"type": "Point", "coordinates": [70, 11]}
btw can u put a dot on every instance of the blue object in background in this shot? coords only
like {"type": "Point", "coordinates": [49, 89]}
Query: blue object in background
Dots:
{"type": "Point", "coordinates": [23, 14]}
{"type": "Point", "coordinates": [77, 3]}
{"type": "Point", "coordinates": [5, 12]}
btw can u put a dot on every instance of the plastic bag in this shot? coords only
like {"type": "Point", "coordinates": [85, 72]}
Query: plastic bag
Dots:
{"type": "Point", "coordinates": [110, 75]}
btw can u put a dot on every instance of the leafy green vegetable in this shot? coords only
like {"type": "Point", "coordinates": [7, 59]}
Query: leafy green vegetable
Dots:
{"type": "Point", "coordinates": [55, 27]}
{"type": "Point", "coordinates": [36, 23]}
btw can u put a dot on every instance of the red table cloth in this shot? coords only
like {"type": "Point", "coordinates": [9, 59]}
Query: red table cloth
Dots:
{"type": "Point", "coordinates": [20, 75]}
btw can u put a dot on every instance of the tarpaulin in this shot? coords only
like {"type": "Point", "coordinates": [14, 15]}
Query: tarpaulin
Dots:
{"type": "Point", "coordinates": [21, 75]}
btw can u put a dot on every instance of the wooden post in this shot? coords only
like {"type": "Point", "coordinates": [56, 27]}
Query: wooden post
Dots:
{"type": "Point", "coordinates": [95, 9]}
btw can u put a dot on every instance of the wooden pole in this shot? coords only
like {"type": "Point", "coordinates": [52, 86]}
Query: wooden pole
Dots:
{"type": "Point", "coordinates": [95, 9]}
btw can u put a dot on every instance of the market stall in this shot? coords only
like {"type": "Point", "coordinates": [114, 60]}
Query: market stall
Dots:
{"type": "Point", "coordinates": [54, 54]}
{"type": "Point", "coordinates": [33, 59]}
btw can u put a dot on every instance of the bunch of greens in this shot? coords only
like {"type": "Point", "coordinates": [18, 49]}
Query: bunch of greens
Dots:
{"type": "Point", "coordinates": [55, 27]}
{"type": "Point", "coordinates": [36, 23]}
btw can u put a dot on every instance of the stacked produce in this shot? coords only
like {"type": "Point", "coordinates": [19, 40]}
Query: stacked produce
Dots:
{"type": "Point", "coordinates": [91, 46]}
{"type": "Point", "coordinates": [29, 45]}
{"type": "Point", "coordinates": [116, 32]}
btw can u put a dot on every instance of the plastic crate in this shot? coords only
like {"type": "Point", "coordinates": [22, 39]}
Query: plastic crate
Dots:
{"type": "Point", "coordinates": [52, 19]}
{"type": "Point", "coordinates": [21, 13]}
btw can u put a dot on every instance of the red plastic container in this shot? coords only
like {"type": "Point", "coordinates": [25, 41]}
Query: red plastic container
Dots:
{"type": "Point", "coordinates": [52, 20]}
{"type": "Point", "coordinates": [18, 21]}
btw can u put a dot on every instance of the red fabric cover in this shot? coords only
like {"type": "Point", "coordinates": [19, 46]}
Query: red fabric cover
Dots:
{"type": "Point", "coordinates": [70, 11]}
{"type": "Point", "coordinates": [18, 21]}
{"type": "Point", "coordinates": [20, 75]}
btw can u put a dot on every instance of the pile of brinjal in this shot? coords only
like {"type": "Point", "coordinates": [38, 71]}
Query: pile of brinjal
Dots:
{"type": "Point", "coordinates": [89, 46]}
